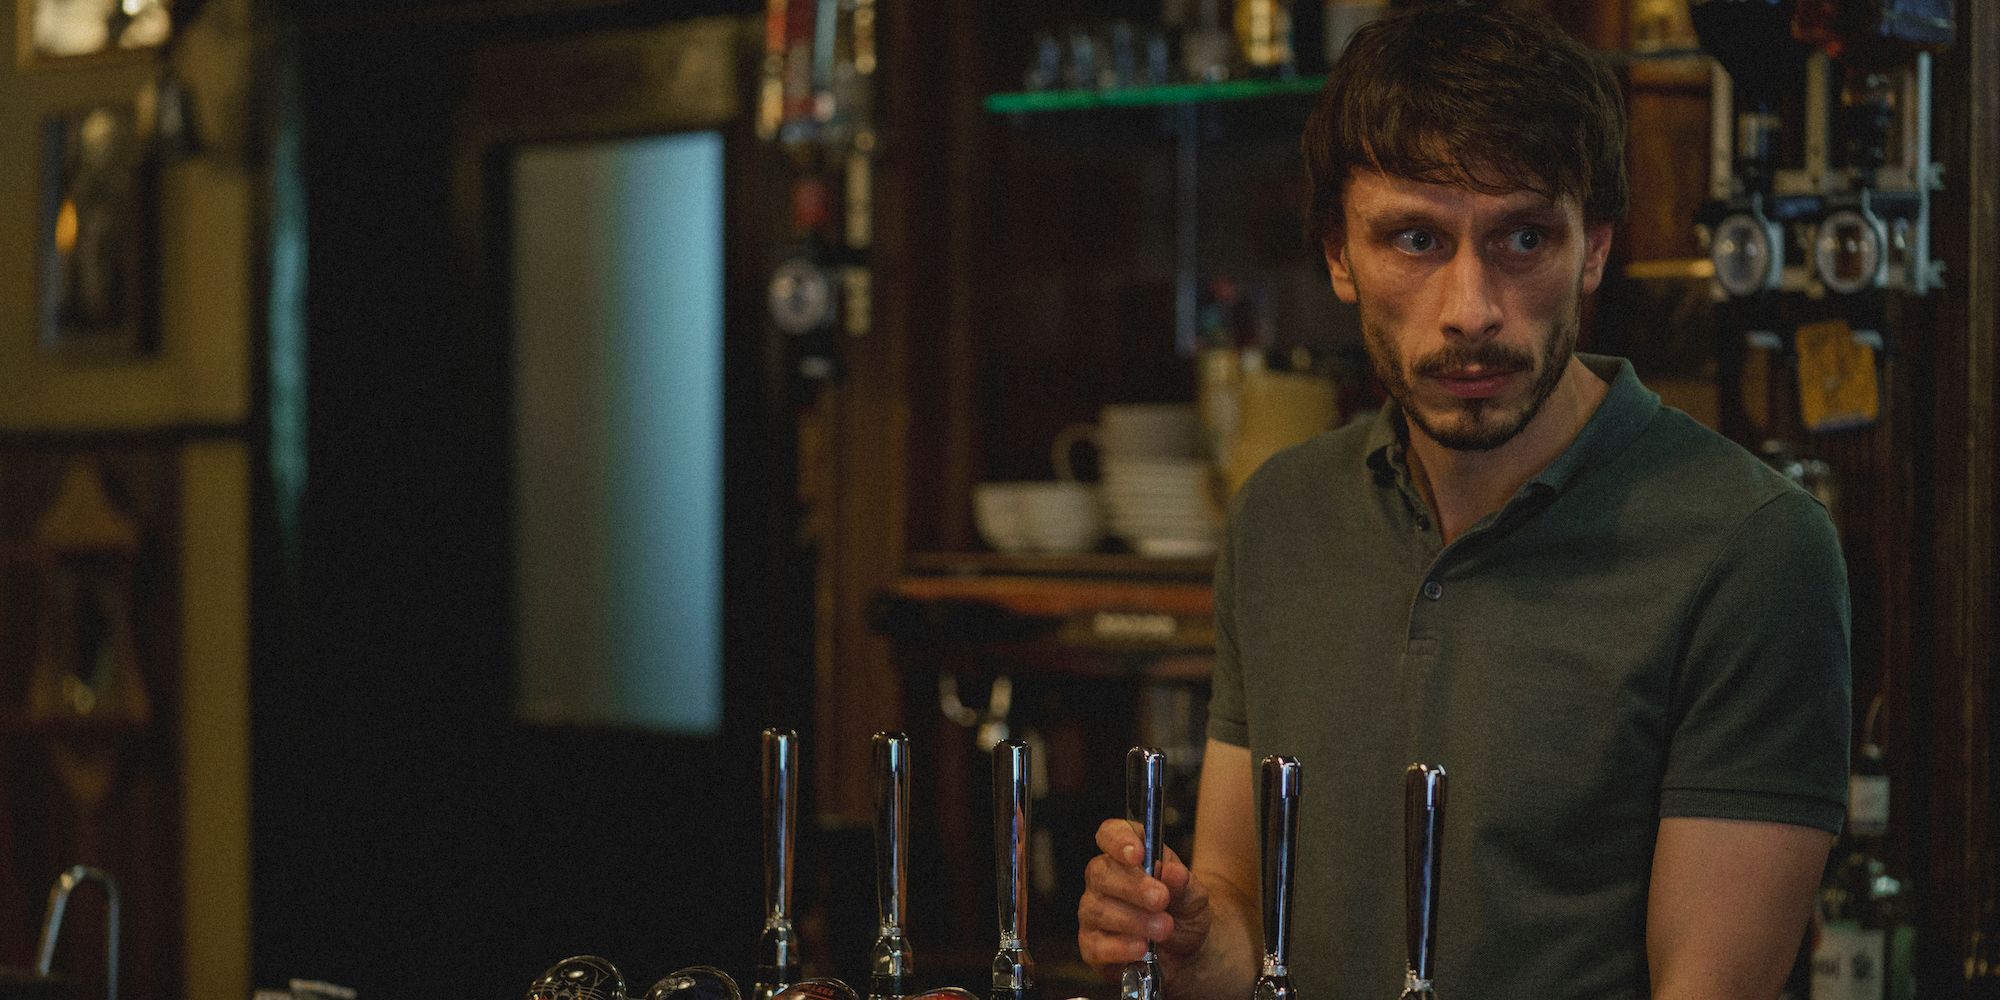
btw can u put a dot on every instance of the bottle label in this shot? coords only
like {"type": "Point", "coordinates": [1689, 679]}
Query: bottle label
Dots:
{"type": "Point", "coordinates": [1847, 962]}
{"type": "Point", "coordinates": [1867, 805]}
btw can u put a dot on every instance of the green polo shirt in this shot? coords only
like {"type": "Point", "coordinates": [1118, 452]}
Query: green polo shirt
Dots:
{"type": "Point", "coordinates": [1656, 625]}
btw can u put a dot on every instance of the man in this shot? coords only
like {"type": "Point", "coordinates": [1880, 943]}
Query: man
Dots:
{"type": "Point", "coordinates": [1622, 635]}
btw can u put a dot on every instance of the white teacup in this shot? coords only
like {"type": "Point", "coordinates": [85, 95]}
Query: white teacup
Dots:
{"type": "Point", "coordinates": [1058, 518]}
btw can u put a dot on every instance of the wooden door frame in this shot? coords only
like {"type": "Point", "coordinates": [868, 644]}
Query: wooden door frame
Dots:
{"type": "Point", "coordinates": [1961, 701]}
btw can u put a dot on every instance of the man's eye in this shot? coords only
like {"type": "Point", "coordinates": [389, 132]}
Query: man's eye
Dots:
{"type": "Point", "coordinates": [1414, 241]}
{"type": "Point", "coordinates": [1525, 240]}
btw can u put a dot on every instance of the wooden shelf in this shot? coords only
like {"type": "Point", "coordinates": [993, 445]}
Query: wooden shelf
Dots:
{"type": "Point", "coordinates": [1093, 565]}
{"type": "Point", "coordinates": [1063, 586]}
{"type": "Point", "coordinates": [1091, 605]}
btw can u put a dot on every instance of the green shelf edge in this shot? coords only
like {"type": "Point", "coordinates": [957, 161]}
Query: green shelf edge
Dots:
{"type": "Point", "coordinates": [1030, 102]}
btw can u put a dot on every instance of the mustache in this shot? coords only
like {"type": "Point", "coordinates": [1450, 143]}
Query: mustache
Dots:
{"type": "Point", "coordinates": [1486, 355]}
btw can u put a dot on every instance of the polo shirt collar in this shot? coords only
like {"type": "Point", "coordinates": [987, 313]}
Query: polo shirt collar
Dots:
{"type": "Point", "coordinates": [1627, 408]}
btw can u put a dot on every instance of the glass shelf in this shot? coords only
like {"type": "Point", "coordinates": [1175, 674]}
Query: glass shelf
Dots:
{"type": "Point", "coordinates": [1029, 102]}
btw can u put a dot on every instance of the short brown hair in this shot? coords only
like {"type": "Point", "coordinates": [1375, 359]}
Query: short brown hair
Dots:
{"type": "Point", "coordinates": [1472, 93]}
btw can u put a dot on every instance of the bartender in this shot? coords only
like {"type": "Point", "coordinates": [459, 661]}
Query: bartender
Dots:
{"type": "Point", "coordinates": [1623, 635]}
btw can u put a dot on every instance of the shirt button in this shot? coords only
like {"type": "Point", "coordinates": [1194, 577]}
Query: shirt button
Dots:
{"type": "Point", "coordinates": [1433, 589]}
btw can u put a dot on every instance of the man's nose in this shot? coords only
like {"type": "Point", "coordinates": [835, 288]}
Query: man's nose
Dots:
{"type": "Point", "coordinates": [1471, 303]}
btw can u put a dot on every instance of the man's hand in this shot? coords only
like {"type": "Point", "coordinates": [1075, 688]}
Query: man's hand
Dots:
{"type": "Point", "coordinates": [1123, 907]}
{"type": "Point", "coordinates": [1204, 920]}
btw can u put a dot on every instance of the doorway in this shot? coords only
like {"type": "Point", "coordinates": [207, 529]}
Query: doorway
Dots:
{"type": "Point", "coordinates": [549, 587]}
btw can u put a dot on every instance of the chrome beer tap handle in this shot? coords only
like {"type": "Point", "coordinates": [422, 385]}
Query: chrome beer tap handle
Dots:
{"type": "Point", "coordinates": [1423, 834]}
{"type": "Point", "coordinates": [778, 949]}
{"type": "Point", "coordinates": [1145, 791]}
{"type": "Point", "coordinates": [1013, 966]}
{"type": "Point", "coordinates": [1280, 822]}
{"type": "Point", "coordinates": [891, 963]}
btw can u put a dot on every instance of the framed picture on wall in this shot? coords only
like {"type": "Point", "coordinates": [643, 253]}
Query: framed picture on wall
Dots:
{"type": "Point", "coordinates": [62, 32]}
{"type": "Point", "coordinates": [95, 300]}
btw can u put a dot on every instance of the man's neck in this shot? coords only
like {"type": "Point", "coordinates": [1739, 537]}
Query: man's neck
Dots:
{"type": "Point", "coordinates": [1462, 487]}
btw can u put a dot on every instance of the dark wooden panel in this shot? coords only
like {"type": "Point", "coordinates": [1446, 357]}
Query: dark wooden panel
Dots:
{"type": "Point", "coordinates": [1960, 874]}
{"type": "Point", "coordinates": [54, 814]}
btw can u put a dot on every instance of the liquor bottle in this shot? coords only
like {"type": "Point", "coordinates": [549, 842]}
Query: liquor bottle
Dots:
{"type": "Point", "coordinates": [1423, 835]}
{"type": "Point", "coordinates": [1280, 821]}
{"type": "Point", "coordinates": [1264, 37]}
{"type": "Point", "coordinates": [1013, 966]}
{"type": "Point", "coordinates": [891, 963]}
{"type": "Point", "coordinates": [1866, 940]}
{"type": "Point", "coordinates": [1145, 794]}
{"type": "Point", "coordinates": [778, 949]}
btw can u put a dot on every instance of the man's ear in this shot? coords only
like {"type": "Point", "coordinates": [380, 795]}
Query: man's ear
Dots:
{"type": "Point", "coordinates": [1334, 247]}
{"type": "Point", "coordinates": [1597, 247]}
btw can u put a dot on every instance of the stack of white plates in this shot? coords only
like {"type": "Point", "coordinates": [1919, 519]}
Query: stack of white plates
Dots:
{"type": "Point", "coordinates": [1162, 507]}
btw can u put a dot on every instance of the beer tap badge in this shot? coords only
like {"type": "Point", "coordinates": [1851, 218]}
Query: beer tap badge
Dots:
{"type": "Point", "coordinates": [585, 977]}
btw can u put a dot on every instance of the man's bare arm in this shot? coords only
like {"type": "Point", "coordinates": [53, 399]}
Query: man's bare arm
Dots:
{"type": "Point", "coordinates": [1226, 859]}
{"type": "Point", "coordinates": [1728, 906]}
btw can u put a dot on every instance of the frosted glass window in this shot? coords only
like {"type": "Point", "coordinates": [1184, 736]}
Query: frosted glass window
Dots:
{"type": "Point", "coordinates": [616, 254]}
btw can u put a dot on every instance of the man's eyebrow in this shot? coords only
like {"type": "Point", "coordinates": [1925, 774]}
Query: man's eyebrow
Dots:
{"type": "Point", "coordinates": [1413, 216]}
{"type": "Point", "coordinates": [1401, 217]}
{"type": "Point", "coordinates": [1537, 208]}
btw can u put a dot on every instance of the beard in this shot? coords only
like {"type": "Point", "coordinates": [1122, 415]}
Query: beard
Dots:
{"type": "Point", "coordinates": [1475, 424]}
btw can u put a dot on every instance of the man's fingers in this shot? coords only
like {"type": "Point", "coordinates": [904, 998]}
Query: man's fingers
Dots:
{"type": "Point", "coordinates": [1109, 953]}
{"type": "Point", "coordinates": [1116, 839]}
{"type": "Point", "coordinates": [1117, 918]}
{"type": "Point", "coordinates": [1172, 872]}
{"type": "Point", "coordinates": [1106, 877]}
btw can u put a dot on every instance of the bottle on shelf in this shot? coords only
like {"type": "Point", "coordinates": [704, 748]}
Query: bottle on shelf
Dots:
{"type": "Point", "coordinates": [1264, 38]}
{"type": "Point", "coordinates": [778, 959]}
{"type": "Point", "coordinates": [1866, 940]}
{"type": "Point", "coordinates": [891, 963]}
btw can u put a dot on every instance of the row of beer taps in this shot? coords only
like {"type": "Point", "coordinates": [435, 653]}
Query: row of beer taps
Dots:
{"type": "Point", "coordinates": [780, 975]}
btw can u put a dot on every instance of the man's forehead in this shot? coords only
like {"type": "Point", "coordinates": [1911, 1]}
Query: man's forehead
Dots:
{"type": "Point", "coordinates": [1487, 190]}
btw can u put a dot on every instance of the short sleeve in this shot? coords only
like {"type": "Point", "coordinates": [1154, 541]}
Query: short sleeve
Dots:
{"type": "Point", "coordinates": [1228, 722]}
{"type": "Point", "coordinates": [1761, 705]}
